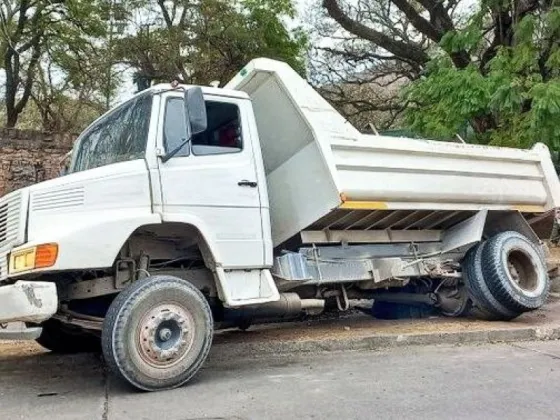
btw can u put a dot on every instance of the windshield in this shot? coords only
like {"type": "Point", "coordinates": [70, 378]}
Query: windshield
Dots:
{"type": "Point", "coordinates": [119, 136]}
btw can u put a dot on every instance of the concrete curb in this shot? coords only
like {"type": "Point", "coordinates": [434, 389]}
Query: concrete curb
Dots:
{"type": "Point", "coordinates": [384, 341]}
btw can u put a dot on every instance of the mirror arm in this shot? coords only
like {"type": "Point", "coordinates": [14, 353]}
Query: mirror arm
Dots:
{"type": "Point", "coordinates": [172, 153]}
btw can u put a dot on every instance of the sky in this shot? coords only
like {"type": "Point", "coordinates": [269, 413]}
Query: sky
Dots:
{"type": "Point", "coordinates": [128, 88]}
{"type": "Point", "coordinates": [302, 6]}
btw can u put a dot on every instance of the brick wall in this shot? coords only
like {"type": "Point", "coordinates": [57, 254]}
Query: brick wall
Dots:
{"type": "Point", "coordinates": [28, 157]}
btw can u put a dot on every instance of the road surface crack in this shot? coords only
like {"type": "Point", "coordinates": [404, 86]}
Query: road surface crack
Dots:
{"type": "Point", "coordinates": [536, 351]}
{"type": "Point", "coordinates": [105, 412]}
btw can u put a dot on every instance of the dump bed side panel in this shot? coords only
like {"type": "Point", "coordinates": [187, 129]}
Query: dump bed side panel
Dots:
{"type": "Point", "coordinates": [404, 173]}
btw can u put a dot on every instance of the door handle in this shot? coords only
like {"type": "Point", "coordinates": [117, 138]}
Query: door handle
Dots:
{"type": "Point", "coordinates": [245, 183]}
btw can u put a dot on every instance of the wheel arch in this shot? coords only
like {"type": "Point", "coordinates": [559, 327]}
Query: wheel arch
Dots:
{"type": "Point", "coordinates": [167, 240]}
{"type": "Point", "coordinates": [177, 233]}
{"type": "Point", "coordinates": [485, 224]}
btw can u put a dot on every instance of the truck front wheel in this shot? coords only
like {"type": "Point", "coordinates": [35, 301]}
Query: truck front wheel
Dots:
{"type": "Point", "coordinates": [157, 333]}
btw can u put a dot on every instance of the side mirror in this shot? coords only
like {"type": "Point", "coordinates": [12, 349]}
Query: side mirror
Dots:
{"type": "Point", "coordinates": [196, 120]}
{"type": "Point", "coordinates": [195, 109]}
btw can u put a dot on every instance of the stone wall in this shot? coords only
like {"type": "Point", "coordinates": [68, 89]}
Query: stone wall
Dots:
{"type": "Point", "coordinates": [28, 157]}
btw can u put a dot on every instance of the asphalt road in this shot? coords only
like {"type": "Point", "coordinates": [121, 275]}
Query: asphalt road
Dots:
{"type": "Point", "coordinates": [514, 381]}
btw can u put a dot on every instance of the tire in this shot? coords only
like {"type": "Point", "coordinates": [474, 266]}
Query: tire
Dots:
{"type": "Point", "coordinates": [57, 339]}
{"type": "Point", "coordinates": [485, 305]}
{"type": "Point", "coordinates": [462, 303]}
{"type": "Point", "coordinates": [157, 333]}
{"type": "Point", "coordinates": [515, 272]}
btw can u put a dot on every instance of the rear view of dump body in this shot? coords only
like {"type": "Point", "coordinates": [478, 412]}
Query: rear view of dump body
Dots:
{"type": "Point", "coordinates": [325, 176]}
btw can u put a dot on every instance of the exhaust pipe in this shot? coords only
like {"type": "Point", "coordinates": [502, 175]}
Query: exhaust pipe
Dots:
{"type": "Point", "coordinates": [290, 305]}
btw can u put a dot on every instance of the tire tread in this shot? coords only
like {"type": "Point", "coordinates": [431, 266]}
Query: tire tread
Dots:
{"type": "Point", "coordinates": [496, 277]}
{"type": "Point", "coordinates": [487, 305]}
{"type": "Point", "coordinates": [114, 351]}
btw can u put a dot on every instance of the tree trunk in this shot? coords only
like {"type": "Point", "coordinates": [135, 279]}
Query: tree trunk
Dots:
{"type": "Point", "coordinates": [11, 118]}
{"type": "Point", "coordinates": [483, 123]}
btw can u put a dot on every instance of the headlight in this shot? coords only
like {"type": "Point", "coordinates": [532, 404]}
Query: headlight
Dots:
{"type": "Point", "coordinates": [40, 256]}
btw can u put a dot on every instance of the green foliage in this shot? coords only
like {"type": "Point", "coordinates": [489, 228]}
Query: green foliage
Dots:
{"type": "Point", "coordinates": [446, 99]}
{"type": "Point", "coordinates": [512, 99]}
{"type": "Point", "coordinates": [52, 33]}
{"type": "Point", "coordinates": [211, 40]}
{"type": "Point", "coordinates": [468, 39]}
{"type": "Point", "coordinates": [268, 35]}
{"type": "Point", "coordinates": [69, 57]}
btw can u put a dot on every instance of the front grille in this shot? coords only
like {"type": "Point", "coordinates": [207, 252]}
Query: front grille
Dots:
{"type": "Point", "coordinates": [10, 215]}
{"type": "Point", "coordinates": [10, 207]}
{"type": "Point", "coordinates": [3, 222]}
{"type": "Point", "coordinates": [3, 266]}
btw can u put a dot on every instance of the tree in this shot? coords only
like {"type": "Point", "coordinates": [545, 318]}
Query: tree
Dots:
{"type": "Point", "coordinates": [491, 70]}
{"type": "Point", "coordinates": [68, 90]}
{"type": "Point", "coordinates": [509, 94]}
{"type": "Point", "coordinates": [364, 52]}
{"type": "Point", "coordinates": [26, 26]}
{"type": "Point", "coordinates": [65, 59]}
{"type": "Point", "coordinates": [199, 42]}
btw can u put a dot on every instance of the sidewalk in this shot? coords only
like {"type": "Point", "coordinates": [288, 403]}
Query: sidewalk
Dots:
{"type": "Point", "coordinates": [361, 332]}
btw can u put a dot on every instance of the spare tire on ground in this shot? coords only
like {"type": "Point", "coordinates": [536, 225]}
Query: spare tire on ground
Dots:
{"type": "Point", "coordinates": [485, 305]}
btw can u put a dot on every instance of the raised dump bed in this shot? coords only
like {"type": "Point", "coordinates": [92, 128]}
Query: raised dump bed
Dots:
{"type": "Point", "coordinates": [325, 176]}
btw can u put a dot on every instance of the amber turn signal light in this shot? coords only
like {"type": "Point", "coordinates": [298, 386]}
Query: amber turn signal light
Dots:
{"type": "Point", "coordinates": [46, 255]}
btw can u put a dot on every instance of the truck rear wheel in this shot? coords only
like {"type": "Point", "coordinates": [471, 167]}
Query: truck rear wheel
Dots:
{"type": "Point", "coordinates": [56, 338]}
{"type": "Point", "coordinates": [515, 272]}
{"type": "Point", "coordinates": [157, 333]}
{"type": "Point", "coordinates": [485, 305]}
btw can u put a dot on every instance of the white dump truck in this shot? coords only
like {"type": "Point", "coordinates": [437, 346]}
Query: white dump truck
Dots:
{"type": "Point", "coordinates": [189, 208]}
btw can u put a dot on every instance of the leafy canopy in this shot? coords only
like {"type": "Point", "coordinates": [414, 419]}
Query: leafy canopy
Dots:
{"type": "Point", "coordinates": [199, 42]}
{"type": "Point", "coordinates": [516, 93]}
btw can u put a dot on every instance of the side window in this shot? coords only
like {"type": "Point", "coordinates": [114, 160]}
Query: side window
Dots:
{"type": "Point", "coordinates": [174, 130]}
{"type": "Point", "coordinates": [223, 134]}
{"type": "Point", "coordinates": [118, 137]}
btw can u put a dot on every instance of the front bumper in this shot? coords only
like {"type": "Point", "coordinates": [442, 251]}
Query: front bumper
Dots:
{"type": "Point", "coordinates": [28, 301]}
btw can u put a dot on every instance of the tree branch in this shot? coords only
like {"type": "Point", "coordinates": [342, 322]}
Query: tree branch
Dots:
{"type": "Point", "coordinates": [418, 21]}
{"type": "Point", "coordinates": [407, 51]}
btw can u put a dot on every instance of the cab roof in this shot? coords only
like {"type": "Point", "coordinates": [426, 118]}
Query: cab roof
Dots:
{"type": "Point", "coordinates": [207, 90]}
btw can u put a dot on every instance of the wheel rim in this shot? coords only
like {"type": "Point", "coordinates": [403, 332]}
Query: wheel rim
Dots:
{"type": "Point", "coordinates": [522, 272]}
{"type": "Point", "coordinates": [166, 334]}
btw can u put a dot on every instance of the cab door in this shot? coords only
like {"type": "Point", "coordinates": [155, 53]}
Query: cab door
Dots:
{"type": "Point", "coordinates": [211, 182]}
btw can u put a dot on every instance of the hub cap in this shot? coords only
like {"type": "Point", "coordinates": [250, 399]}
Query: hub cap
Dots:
{"type": "Point", "coordinates": [522, 271]}
{"type": "Point", "coordinates": [165, 335]}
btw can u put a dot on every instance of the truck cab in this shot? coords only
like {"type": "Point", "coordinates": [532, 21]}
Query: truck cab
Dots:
{"type": "Point", "coordinates": [118, 185]}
